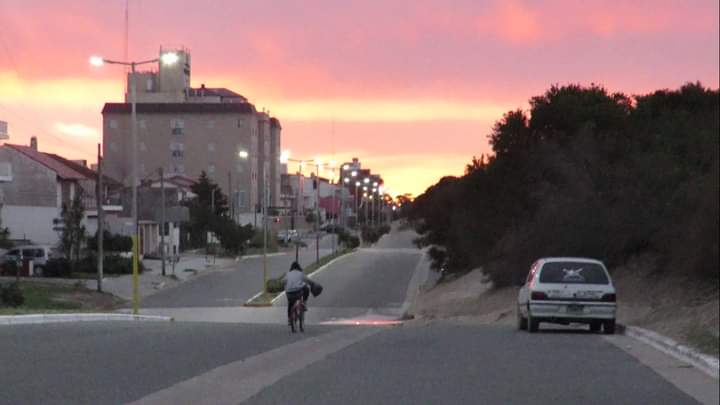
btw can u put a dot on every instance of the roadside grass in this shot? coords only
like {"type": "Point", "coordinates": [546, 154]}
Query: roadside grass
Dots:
{"type": "Point", "coordinates": [703, 340]}
{"type": "Point", "coordinates": [57, 298]}
{"type": "Point", "coordinates": [275, 285]}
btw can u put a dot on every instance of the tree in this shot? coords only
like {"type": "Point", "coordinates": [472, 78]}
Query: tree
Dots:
{"type": "Point", "coordinates": [203, 218]}
{"type": "Point", "coordinates": [4, 237]}
{"type": "Point", "coordinates": [73, 233]}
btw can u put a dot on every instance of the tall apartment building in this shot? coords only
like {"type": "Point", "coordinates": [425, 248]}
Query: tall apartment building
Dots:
{"type": "Point", "coordinates": [189, 130]}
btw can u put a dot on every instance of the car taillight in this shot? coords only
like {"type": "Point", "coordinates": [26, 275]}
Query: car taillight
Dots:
{"type": "Point", "coordinates": [538, 295]}
{"type": "Point", "coordinates": [609, 298]}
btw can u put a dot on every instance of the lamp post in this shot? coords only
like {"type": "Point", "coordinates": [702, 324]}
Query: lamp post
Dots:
{"type": "Point", "coordinates": [168, 58]}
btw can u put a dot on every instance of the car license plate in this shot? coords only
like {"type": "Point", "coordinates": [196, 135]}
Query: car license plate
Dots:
{"type": "Point", "coordinates": [575, 309]}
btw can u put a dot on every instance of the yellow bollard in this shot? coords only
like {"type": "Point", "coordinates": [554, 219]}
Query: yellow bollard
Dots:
{"type": "Point", "coordinates": [135, 275]}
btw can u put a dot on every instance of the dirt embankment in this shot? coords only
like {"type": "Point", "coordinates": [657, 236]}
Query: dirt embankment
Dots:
{"type": "Point", "coordinates": [684, 310]}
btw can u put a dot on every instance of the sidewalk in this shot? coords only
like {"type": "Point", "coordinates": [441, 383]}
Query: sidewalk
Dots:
{"type": "Point", "coordinates": [152, 280]}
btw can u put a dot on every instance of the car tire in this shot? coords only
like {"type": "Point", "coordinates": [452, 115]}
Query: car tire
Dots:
{"type": "Point", "coordinates": [609, 327]}
{"type": "Point", "coordinates": [595, 326]}
{"type": "Point", "coordinates": [522, 322]}
{"type": "Point", "coordinates": [533, 323]}
{"type": "Point", "coordinates": [39, 271]}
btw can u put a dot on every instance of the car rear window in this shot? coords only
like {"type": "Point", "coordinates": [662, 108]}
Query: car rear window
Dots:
{"type": "Point", "coordinates": [573, 273]}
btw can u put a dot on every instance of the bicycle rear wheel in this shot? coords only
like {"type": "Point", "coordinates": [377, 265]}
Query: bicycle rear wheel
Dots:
{"type": "Point", "coordinates": [293, 320]}
{"type": "Point", "coordinates": [301, 320]}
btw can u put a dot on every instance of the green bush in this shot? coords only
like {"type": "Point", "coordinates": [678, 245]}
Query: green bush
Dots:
{"type": "Point", "coordinates": [9, 268]}
{"type": "Point", "coordinates": [112, 264]}
{"type": "Point", "coordinates": [310, 218]}
{"type": "Point", "coordinates": [371, 234]}
{"type": "Point", "coordinates": [11, 295]}
{"type": "Point", "coordinates": [276, 285]}
{"type": "Point", "coordinates": [348, 240]}
{"type": "Point", "coordinates": [58, 268]}
{"type": "Point", "coordinates": [257, 240]}
{"type": "Point", "coordinates": [111, 243]}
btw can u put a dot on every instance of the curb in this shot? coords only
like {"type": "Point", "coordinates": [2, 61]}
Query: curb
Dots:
{"type": "Point", "coordinates": [57, 318]}
{"type": "Point", "coordinates": [703, 362]}
{"type": "Point", "coordinates": [255, 256]}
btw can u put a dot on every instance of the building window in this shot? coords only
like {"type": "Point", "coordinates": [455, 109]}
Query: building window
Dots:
{"type": "Point", "coordinates": [177, 126]}
{"type": "Point", "coordinates": [141, 168]}
{"type": "Point", "coordinates": [240, 123]}
{"type": "Point", "coordinates": [211, 124]}
{"type": "Point", "coordinates": [142, 124]}
{"type": "Point", "coordinates": [179, 169]}
{"type": "Point", "coordinates": [149, 84]}
{"type": "Point", "coordinates": [113, 124]}
{"type": "Point", "coordinates": [6, 171]}
{"type": "Point", "coordinates": [177, 149]}
{"type": "Point", "coordinates": [211, 169]}
{"type": "Point", "coordinates": [241, 199]}
{"type": "Point", "coordinates": [113, 147]}
{"type": "Point", "coordinates": [211, 147]}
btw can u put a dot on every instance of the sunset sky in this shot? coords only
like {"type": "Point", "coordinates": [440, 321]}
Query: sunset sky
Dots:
{"type": "Point", "coordinates": [412, 88]}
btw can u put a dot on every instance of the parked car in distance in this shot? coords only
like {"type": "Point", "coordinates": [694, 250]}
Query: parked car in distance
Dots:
{"type": "Point", "coordinates": [39, 254]}
{"type": "Point", "coordinates": [332, 228]}
{"type": "Point", "coordinates": [567, 290]}
{"type": "Point", "coordinates": [287, 235]}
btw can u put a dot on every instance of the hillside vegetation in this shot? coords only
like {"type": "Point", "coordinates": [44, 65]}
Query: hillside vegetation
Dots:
{"type": "Point", "coordinates": [585, 173]}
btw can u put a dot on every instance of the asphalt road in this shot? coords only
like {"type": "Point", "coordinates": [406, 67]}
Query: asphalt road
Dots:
{"type": "Point", "coordinates": [369, 283]}
{"type": "Point", "coordinates": [437, 363]}
{"type": "Point", "coordinates": [418, 362]}
{"type": "Point", "coordinates": [447, 363]}
{"type": "Point", "coordinates": [231, 286]}
{"type": "Point", "coordinates": [106, 362]}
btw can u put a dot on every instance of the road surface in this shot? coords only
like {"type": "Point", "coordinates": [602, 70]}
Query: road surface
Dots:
{"type": "Point", "coordinates": [227, 360]}
{"type": "Point", "coordinates": [234, 285]}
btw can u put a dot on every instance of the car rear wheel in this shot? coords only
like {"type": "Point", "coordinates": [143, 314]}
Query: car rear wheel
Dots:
{"type": "Point", "coordinates": [533, 324]}
{"type": "Point", "coordinates": [609, 327]}
{"type": "Point", "coordinates": [38, 271]}
{"type": "Point", "coordinates": [595, 326]}
{"type": "Point", "coordinates": [522, 322]}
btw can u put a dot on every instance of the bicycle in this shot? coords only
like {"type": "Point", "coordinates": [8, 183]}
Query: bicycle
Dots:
{"type": "Point", "coordinates": [297, 315]}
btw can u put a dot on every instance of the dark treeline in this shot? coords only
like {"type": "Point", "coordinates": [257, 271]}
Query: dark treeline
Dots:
{"type": "Point", "coordinates": [585, 173]}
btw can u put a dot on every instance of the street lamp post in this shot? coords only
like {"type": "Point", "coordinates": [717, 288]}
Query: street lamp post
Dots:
{"type": "Point", "coordinates": [169, 58]}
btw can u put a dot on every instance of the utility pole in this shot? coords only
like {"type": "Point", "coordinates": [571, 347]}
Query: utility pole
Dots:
{"type": "Point", "coordinates": [265, 233]}
{"type": "Point", "coordinates": [162, 218]}
{"type": "Point", "coordinates": [317, 215]}
{"type": "Point", "coordinates": [231, 194]}
{"type": "Point", "coordinates": [100, 218]}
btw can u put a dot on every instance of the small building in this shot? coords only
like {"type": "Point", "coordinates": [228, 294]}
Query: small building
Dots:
{"type": "Point", "coordinates": [36, 185]}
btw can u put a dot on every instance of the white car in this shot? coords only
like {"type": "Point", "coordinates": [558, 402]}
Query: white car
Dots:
{"type": "Point", "coordinates": [38, 253]}
{"type": "Point", "coordinates": [567, 290]}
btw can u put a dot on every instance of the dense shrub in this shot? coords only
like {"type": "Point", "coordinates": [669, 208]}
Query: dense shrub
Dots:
{"type": "Point", "coordinates": [257, 240]}
{"type": "Point", "coordinates": [585, 173]}
{"type": "Point", "coordinates": [276, 285]}
{"type": "Point", "coordinates": [9, 268]}
{"type": "Point", "coordinates": [112, 264]}
{"type": "Point", "coordinates": [11, 295]}
{"type": "Point", "coordinates": [111, 243]}
{"type": "Point", "coordinates": [58, 268]}
{"type": "Point", "coordinates": [348, 240]}
{"type": "Point", "coordinates": [371, 234]}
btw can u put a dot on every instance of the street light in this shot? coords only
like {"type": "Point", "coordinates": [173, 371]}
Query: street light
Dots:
{"type": "Point", "coordinates": [167, 58]}
{"type": "Point", "coordinates": [243, 154]}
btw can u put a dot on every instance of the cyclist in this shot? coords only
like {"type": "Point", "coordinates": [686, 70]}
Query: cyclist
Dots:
{"type": "Point", "coordinates": [296, 285]}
